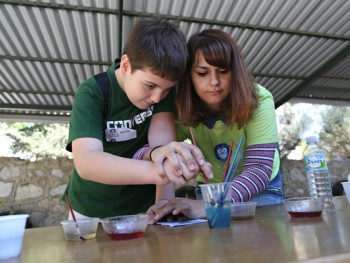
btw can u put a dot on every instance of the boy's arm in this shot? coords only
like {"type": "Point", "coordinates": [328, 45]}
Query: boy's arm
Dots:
{"type": "Point", "coordinates": [93, 164]}
{"type": "Point", "coordinates": [162, 131]}
{"type": "Point", "coordinates": [165, 192]}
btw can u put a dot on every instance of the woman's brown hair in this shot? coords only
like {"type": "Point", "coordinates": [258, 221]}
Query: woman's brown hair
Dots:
{"type": "Point", "coordinates": [220, 50]}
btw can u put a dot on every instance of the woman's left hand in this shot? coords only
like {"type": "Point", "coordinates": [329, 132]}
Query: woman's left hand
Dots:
{"type": "Point", "coordinates": [190, 208]}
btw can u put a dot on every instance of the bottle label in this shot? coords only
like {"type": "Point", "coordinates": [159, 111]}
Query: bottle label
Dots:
{"type": "Point", "coordinates": [315, 162]}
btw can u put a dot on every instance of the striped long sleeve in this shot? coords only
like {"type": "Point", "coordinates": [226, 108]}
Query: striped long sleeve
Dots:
{"type": "Point", "coordinates": [256, 172]}
{"type": "Point", "coordinates": [141, 152]}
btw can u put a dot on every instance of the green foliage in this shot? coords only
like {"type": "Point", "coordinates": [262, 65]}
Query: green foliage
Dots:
{"type": "Point", "coordinates": [290, 129]}
{"type": "Point", "coordinates": [37, 141]}
{"type": "Point", "coordinates": [335, 134]}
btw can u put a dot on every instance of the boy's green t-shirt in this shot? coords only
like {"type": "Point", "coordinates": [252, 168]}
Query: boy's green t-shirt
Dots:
{"type": "Point", "coordinates": [123, 132]}
{"type": "Point", "coordinates": [215, 142]}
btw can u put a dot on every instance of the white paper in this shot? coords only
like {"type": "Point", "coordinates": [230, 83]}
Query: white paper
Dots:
{"type": "Point", "coordinates": [182, 222]}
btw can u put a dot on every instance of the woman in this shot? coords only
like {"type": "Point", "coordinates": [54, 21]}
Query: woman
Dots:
{"type": "Point", "coordinates": [219, 102]}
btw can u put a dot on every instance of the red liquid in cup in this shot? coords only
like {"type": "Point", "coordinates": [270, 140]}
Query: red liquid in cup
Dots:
{"type": "Point", "coordinates": [125, 236]}
{"type": "Point", "coordinates": [305, 214]}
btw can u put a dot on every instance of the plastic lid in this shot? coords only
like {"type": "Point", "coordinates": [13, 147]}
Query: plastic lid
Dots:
{"type": "Point", "coordinates": [311, 139]}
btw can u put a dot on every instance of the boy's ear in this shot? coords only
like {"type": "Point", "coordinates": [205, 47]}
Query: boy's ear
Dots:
{"type": "Point", "coordinates": [125, 64]}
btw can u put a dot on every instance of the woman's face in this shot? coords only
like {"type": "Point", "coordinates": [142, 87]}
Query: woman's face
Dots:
{"type": "Point", "coordinates": [212, 84]}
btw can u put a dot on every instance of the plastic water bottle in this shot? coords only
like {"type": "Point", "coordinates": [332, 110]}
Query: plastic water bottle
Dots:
{"type": "Point", "coordinates": [317, 172]}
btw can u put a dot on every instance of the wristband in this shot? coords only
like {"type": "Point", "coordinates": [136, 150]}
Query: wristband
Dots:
{"type": "Point", "coordinates": [150, 153]}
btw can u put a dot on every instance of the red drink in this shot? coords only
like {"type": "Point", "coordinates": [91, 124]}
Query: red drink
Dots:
{"type": "Point", "coordinates": [305, 214]}
{"type": "Point", "coordinates": [124, 236]}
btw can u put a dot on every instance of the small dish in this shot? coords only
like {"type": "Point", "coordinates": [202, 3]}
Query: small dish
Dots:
{"type": "Point", "coordinates": [87, 228]}
{"type": "Point", "coordinates": [244, 210]}
{"type": "Point", "coordinates": [125, 227]}
{"type": "Point", "coordinates": [303, 207]}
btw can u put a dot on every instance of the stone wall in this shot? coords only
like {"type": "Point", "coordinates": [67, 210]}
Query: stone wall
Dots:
{"type": "Point", "coordinates": [36, 188]}
{"type": "Point", "coordinates": [294, 176]}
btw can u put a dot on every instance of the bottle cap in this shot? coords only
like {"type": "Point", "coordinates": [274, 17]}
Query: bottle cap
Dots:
{"type": "Point", "coordinates": [311, 139]}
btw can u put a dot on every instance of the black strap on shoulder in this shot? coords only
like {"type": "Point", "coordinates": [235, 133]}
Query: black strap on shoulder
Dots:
{"type": "Point", "coordinates": [103, 82]}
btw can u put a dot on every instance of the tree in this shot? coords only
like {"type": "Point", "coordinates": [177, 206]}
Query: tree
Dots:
{"type": "Point", "coordinates": [290, 128]}
{"type": "Point", "coordinates": [35, 140]}
{"type": "Point", "coordinates": [335, 134]}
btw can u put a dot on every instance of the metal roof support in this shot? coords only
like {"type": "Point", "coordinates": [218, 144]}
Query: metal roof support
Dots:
{"type": "Point", "coordinates": [239, 25]}
{"type": "Point", "coordinates": [5, 106]}
{"type": "Point", "coordinates": [317, 74]}
{"type": "Point", "coordinates": [55, 60]}
{"type": "Point", "coordinates": [59, 6]}
{"type": "Point", "coordinates": [121, 13]}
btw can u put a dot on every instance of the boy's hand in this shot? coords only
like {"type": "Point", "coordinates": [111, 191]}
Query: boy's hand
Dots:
{"type": "Point", "coordinates": [184, 161]}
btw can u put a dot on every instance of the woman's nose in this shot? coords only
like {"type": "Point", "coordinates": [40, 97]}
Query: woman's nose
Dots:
{"type": "Point", "coordinates": [214, 79]}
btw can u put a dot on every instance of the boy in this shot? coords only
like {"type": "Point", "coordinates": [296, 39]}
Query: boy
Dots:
{"type": "Point", "coordinates": [106, 181]}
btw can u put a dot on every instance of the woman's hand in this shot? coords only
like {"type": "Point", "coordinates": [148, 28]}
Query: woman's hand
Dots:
{"type": "Point", "coordinates": [181, 160]}
{"type": "Point", "coordinates": [170, 175]}
{"type": "Point", "coordinates": [151, 212]}
{"type": "Point", "coordinates": [190, 208]}
{"type": "Point", "coordinates": [178, 179]}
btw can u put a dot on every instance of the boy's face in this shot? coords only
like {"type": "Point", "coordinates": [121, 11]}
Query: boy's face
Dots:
{"type": "Point", "coordinates": [144, 88]}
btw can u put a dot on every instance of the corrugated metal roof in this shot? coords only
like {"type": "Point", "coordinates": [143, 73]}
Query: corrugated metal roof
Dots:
{"type": "Point", "coordinates": [297, 49]}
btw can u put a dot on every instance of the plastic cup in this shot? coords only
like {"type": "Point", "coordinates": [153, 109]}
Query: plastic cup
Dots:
{"type": "Point", "coordinates": [346, 187]}
{"type": "Point", "coordinates": [87, 229]}
{"type": "Point", "coordinates": [217, 202]}
{"type": "Point", "coordinates": [11, 235]}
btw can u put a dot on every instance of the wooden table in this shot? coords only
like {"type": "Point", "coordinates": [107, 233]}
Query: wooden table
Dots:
{"type": "Point", "coordinates": [270, 237]}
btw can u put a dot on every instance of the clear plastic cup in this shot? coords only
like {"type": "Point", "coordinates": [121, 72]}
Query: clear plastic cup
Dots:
{"type": "Point", "coordinates": [346, 187]}
{"type": "Point", "coordinates": [217, 202]}
{"type": "Point", "coordinates": [11, 235]}
{"type": "Point", "coordinates": [86, 229]}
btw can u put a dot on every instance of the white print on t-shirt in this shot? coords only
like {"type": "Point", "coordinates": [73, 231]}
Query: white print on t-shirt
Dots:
{"type": "Point", "coordinates": [122, 130]}
{"type": "Point", "coordinates": [120, 135]}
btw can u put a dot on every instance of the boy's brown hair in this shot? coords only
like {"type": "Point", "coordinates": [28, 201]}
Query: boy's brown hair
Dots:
{"type": "Point", "coordinates": [159, 46]}
{"type": "Point", "coordinates": [219, 49]}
